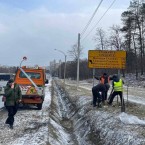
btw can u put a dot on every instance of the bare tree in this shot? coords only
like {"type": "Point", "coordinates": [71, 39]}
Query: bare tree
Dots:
{"type": "Point", "coordinates": [115, 38]}
{"type": "Point", "coordinates": [100, 39]}
{"type": "Point", "coordinates": [74, 52]}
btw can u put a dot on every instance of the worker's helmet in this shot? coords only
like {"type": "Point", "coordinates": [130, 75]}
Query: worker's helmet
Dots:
{"type": "Point", "coordinates": [115, 76]}
{"type": "Point", "coordinates": [10, 81]}
{"type": "Point", "coordinates": [104, 74]}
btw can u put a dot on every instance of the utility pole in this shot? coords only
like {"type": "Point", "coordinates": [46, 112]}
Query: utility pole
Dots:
{"type": "Point", "coordinates": [64, 68]}
{"type": "Point", "coordinates": [78, 62]}
{"type": "Point", "coordinates": [60, 69]}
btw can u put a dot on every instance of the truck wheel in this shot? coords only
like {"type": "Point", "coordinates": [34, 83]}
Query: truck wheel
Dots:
{"type": "Point", "coordinates": [39, 106]}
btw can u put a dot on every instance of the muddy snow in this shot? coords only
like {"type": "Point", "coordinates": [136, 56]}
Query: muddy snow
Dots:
{"type": "Point", "coordinates": [30, 126]}
{"type": "Point", "coordinates": [68, 118]}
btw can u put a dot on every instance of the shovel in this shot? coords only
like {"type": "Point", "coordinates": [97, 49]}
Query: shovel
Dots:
{"type": "Point", "coordinates": [110, 94]}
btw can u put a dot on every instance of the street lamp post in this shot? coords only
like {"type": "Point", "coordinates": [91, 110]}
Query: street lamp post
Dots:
{"type": "Point", "coordinates": [24, 58]}
{"type": "Point", "coordinates": [65, 62]}
{"type": "Point", "coordinates": [60, 68]}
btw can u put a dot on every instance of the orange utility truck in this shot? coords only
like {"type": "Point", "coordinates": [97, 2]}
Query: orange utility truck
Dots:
{"type": "Point", "coordinates": [32, 83]}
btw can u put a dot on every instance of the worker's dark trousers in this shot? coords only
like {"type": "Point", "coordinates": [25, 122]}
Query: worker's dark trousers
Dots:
{"type": "Point", "coordinates": [97, 98]}
{"type": "Point", "coordinates": [12, 110]}
{"type": "Point", "coordinates": [115, 93]}
{"type": "Point", "coordinates": [106, 92]}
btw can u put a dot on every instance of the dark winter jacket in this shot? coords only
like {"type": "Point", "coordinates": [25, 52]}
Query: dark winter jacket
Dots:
{"type": "Point", "coordinates": [100, 88]}
{"type": "Point", "coordinates": [13, 95]}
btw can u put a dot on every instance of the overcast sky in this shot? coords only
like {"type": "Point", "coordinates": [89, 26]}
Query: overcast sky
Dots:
{"type": "Point", "coordinates": [34, 28]}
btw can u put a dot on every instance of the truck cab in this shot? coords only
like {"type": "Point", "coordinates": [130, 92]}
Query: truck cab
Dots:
{"type": "Point", "coordinates": [32, 84]}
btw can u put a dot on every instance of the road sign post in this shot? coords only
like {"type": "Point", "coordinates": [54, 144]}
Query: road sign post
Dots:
{"type": "Point", "coordinates": [108, 59]}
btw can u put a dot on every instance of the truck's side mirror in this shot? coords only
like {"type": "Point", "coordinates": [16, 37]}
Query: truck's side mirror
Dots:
{"type": "Point", "coordinates": [46, 81]}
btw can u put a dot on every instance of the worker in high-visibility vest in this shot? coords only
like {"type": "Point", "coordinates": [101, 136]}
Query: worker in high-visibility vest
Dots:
{"type": "Point", "coordinates": [117, 85]}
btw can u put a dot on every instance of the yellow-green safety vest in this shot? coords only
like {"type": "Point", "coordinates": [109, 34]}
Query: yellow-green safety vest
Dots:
{"type": "Point", "coordinates": [118, 86]}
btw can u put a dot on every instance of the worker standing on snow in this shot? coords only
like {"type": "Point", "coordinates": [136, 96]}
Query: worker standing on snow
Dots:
{"type": "Point", "coordinates": [117, 85]}
{"type": "Point", "coordinates": [13, 97]}
{"type": "Point", "coordinates": [98, 92]}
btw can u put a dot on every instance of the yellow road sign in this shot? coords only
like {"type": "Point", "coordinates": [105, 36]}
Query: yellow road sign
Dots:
{"type": "Point", "coordinates": [106, 59]}
{"type": "Point", "coordinates": [31, 91]}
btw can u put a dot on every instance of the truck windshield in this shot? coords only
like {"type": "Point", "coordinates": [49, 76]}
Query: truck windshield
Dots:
{"type": "Point", "coordinates": [32, 75]}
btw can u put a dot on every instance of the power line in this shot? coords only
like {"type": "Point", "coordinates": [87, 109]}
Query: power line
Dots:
{"type": "Point", "coordinates": [99, 19]}
{"type": "Point", "coordinates": [91, 18]}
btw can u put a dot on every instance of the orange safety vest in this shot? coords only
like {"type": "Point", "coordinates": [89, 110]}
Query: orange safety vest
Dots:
{"type": "Point", "coordinates": [102, 80]}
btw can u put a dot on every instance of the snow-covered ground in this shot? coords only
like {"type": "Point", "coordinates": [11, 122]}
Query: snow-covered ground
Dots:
{"type": "Point", "coordinates": [107, 123]}
{"type": "Point", "coordinates": [134, 90]}
{"type": "Point", "coordinates": [30, 126]}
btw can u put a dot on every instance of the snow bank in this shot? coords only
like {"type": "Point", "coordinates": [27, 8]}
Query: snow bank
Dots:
{"type": "Point", "coordinates": [130, 119]}
{"type": "Point", "coordinates": [113, 128]}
